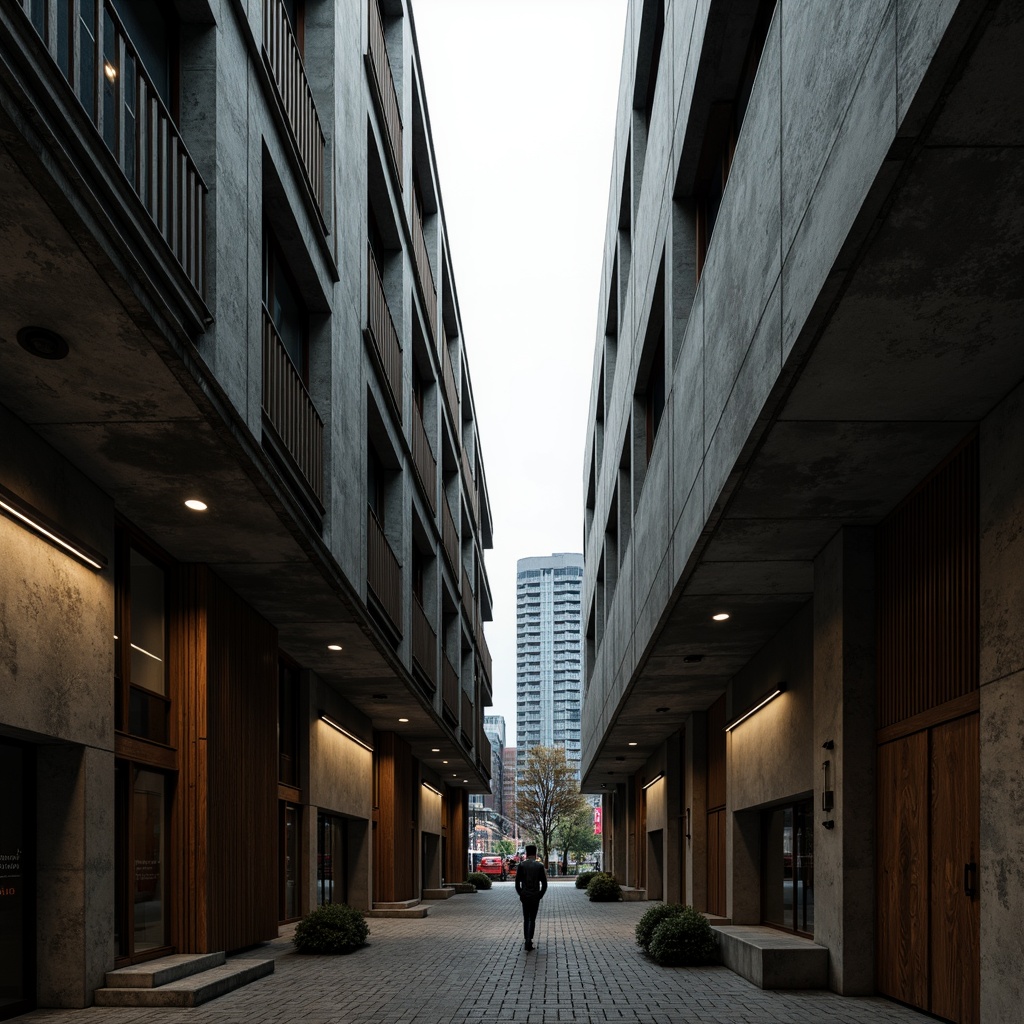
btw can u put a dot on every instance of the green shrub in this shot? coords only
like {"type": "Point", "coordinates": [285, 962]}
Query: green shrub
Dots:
{"type": "Point", "coordinates": [603, 888]}
{"type": "Point", "coordinates": [683, 940]}
{"type": "Point", "coordinates": [479, 879]}
{"type": "Point", "coordinates": [583, 879]}
{"type": "Point", "coordinates": [332, 928]}
{"type": "Point", "coordinates": [651, 919]}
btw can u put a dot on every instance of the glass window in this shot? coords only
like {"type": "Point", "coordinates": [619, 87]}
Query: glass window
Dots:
{"type": "Point", "coordinates": [788, 868]}
{"type": "Point", "coordinates": [284, 304]}
{"type": "Point", "coordinates": [149, 842]}
{"type": "Point", "coordinates": [16, 867]}
{"type": "Point", "coordinates": [288, 725]}
{"type": "Point", "coordinates": [290, 867]}
{"type": "Point", "coordinates": [331, 860]}
{"type": "Point", "coordinates": [148, 625]}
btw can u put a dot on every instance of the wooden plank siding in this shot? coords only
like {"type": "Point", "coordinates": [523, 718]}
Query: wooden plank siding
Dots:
{"type": "Point", "coordinates": [394, 841]}
{"type": "Point", "coordinates": [716, 799]}
{"type": "Point", "coordinates": [456, 816]}
{"type": "Point", "coordinates": [224, 825]}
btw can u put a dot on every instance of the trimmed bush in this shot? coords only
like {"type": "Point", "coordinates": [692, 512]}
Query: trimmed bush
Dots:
{"type": "Point", "coordinates": [651, 919]}
{"type": "Point", "coordinates": [583, 879]}
{"type": "Point", "coordinates": [479, 879]}
{"type": "Point", "coordinates": [683, 940]}
{"type": "Point", "coordinates": [603, 888]}
{"type": "Point", "coordinates": [332, 928]}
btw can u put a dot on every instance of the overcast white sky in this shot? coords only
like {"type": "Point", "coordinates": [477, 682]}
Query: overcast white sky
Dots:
{"type": "Point", "coordinates": [522, 97]}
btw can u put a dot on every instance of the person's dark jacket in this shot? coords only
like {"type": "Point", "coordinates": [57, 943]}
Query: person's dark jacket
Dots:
{"type": "Point", "coordinates": [531, 880]}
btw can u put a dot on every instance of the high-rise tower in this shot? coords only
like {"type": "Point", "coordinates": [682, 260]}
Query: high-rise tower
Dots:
{"type": "Point", "coordinates": [548, 657]}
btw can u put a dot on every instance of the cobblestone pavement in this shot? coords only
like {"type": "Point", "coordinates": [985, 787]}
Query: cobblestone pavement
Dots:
{"type": "Point", "coordinates": [464, 964]}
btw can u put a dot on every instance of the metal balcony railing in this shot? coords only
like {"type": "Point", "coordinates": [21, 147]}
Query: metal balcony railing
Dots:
{"type": "Point", "coordinates": [384, 82]}
{"type": "Point", "coordinates": [449, 534]}
{"type": "Point", "coordinates": [382, 331]}
{"type": "Point", "coordinates": [423, 459]}
{"type": "Point", "coordinates": [449, 688]}
{"type": "Point", "coordinates": [290, 411]}
{"type": "Point", "coordinates": [281, 54]}
{"type": "Point", "coordinates": [451, 391]}
{"type": "Point", "coordinates": [466, 720]}
{"type": "Point", "coordinates": [383, 573]}
{"type": "Point", "coordinates": [467, 597]}
{"type": "Point", "coordinates": [471, 489]}
{"type": "Point", "coordinates": [92, 49]}
{"type": "Point", "coordinates": [422, 263]}
{"type": "Point", "coordinates": [424, 643]}
{"type": "Point", "coordinates": [484, 654]}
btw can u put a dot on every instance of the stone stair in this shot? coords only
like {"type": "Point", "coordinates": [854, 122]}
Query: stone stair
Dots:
{"type": "Point", "coordinates": [180, 980]}
{"type": "Point", "coordinates": [400, 908]}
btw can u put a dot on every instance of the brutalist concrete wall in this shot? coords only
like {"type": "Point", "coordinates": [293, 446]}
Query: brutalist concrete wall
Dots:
{"type": "Point", "coordinates": [1002, 711]}
{"type": "Point", "coordinates": [56, 691]}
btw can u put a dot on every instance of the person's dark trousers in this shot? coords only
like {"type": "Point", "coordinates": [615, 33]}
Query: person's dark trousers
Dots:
{"type": "Point", "coordinates": [530, 905]}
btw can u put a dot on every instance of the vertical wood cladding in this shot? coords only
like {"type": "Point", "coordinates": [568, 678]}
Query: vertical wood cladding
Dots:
{"type": "Point", "coordinates": [224, 820]}
{"type": "Point", "coordinates": [716, 754]}
{"type": "Point", "coordinates": [928, 593]}
{"type": "Point", "coordinates": [716, 797]}
{"type": "Point", "coordinates": [394, 854]}
{"type": "Point", "coordinates": [456, 801]}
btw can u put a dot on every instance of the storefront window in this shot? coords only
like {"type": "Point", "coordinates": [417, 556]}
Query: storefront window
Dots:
{"type": "Point", "coordinates": [16, 898]}
{"type": "Point", "coordinates": [290, 873]}
{"type": "Point", "coordinates": [148, 846]}
{"type": "Point", "coordinates": [331, 860]}
{"type": "Point", "coordinates": [788, 868]}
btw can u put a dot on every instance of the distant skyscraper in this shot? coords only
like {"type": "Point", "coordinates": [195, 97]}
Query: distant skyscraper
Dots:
{"type": "Point", "coordinates": [494, 729]}
{"type": "Point", "coordinates": [548, 661]}
{"type": "Point", "coordinates": [508, 760]}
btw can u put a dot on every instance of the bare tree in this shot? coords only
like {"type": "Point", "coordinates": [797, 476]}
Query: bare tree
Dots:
{"type": "Point", "coordinates": [547, 792]}
{"type": "Point", "coordinates": [575, 833]}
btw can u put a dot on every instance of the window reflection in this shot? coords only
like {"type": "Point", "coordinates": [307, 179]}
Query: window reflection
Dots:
{"type": "Point", "coordinates": [148, 846]}
{"type": "Point", "coordinates": [788, 867]}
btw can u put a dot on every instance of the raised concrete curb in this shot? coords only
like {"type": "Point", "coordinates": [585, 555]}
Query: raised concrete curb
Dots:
{"type": "Point", "coordinates": [772, 959]}
{"type": "Point", "coordinates": [400, 908]}
{"type": "Point", "coordinates": [439, 894]}
{"type": "Point", "coordinates": [189, 991]}
{"type": "Point", "coordinates": [631, 895]}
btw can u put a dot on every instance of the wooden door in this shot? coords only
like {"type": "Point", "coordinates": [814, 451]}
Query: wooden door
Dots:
{"type": "Point", "coordinates": [928, 838]}
{"type": "Point", "coordinates": [955, 831]}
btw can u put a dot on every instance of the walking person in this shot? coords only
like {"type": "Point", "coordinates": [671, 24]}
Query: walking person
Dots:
{"type": "Point", "coordinates": [531, 884]}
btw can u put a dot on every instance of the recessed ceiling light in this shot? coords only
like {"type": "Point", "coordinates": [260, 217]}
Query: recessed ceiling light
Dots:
{"type": "Point", "coordinates": [465, 780]}
{"type": "Point", "coordinates": [455, 775]}
{"type": "Point", "coordinates": [444, 762]}
{"type": "Point", "coordinates": [42, 342]}
{"type": "Point", "coordinates": [334, 647]}
{"type": "Point", "coordinates": [403, 719]}
{"type": "Point", "coordinates": [435, 750]}
{"type": "Point", "coordinates": [196, 505]}
{"type": "Point", "coordinates": [720, 616]}
{"type": "Point", "coordinates": [632, 743]}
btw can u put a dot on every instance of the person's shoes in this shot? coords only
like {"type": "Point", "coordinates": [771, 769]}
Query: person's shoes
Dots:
{"type": "Point", "coordinates": [528, 945]}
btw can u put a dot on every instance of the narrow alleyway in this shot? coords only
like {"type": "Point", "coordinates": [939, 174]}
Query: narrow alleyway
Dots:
{"type": "Point", "coordinates": [465, 963]}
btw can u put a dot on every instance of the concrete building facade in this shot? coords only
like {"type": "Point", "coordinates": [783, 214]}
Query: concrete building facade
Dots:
{"type": "Point", "coordinates": [804, 618]}
{"type": "Point", "coordinates": [548, 656]}
{"type": "Point", "coordinates": [226, 280]}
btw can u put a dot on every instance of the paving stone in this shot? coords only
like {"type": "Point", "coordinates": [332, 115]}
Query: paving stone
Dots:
{"type": "Point", "coordinates": [464, 964]}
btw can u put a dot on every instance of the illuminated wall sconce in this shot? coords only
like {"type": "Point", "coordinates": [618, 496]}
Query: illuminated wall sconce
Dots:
{"type": "Point", "coordinates": [344, 732]}
{"type": "Point", "coordinates": [26, 516]}
{"type": "Point", "coordinates": [657, 778]}
{"type": "Point", "coordinates": [766, 699]}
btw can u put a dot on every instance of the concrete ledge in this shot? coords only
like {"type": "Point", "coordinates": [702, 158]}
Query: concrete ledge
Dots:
{"type": "Point", "coordinates": [155, 973]}
{"type": "Point", "coordinates": [439, 894]}
{"type": "Point", "coordinates": [464, 887]}
{"type": "Point", "coordinates": [397, 905]}
{"type": "Point", "coordinates": [772, 959]}
{"type": "Point", "coordinates": [191, 991]}
{"type": "Point", "coordinates": [410, 908]}
{"type": "Point", "coordinates": [631, 895]}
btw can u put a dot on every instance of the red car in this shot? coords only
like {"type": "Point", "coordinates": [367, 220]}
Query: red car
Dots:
{"type": "Point", "coordinates": [491, 866]}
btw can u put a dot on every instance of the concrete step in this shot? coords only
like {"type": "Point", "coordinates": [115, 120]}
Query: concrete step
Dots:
{"type": "Point", "coordinates": [395, 910]}
{"type": "Point", "coordinates": [154, 973]}
{"type": "Point", "coordinates": [191, 990]}
{"type": "Point", "coordinates": [772, 959]}
{"type": "Point", "coordinates": [464, 887]}
{"type": "Point", "coordinates": [439, 894]}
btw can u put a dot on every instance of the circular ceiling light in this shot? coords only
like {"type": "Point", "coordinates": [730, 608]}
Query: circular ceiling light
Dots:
{"type": "Point", "coordinates": [435, 750]}
{"type": "Point", "coordinates": [720, 616]}
{"type": "Point", "coordinates": [403, 719]}
{"type": "Point", "coordinates": [334, 647]}
{"type": "Point", "coordinates": [196, 505]}
{"type": "Point", "coordinates": [43, 342]}
{"type": "Point", "coordinates": [632, 743]}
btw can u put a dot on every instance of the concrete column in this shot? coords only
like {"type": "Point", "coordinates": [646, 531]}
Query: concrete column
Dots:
{"type": "Point", "coordinates": [75, 873]}
{"type": "Point", "coordinates": [844, 713]}
{"type": "Point", "coordinates": [307, 901]}
{"type": "Point", "coordinates": [360, 868]}
{"type": "Point", "coordinates": [674, 854]}
{"type": "Point", "coordinates": [1001, 733]}
{"type": "Point", "coordinates": [695, 751]}
{"type": "Point", "coordinates": [620, 834]}
{"type": "Point", "coordinates": [743, 866]}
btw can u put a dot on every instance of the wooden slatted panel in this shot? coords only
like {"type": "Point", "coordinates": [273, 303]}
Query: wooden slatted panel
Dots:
{"type": "Point", "coordinates": [387, 97]}
{"type": "Point", "coordinates": [716, 798]}
{"type": "Point", "coordinates": [716, 863]}
{"type": "Point", "coordinates": [927, 593]}
{"type": "Point", "coordinates": [421, 260]}
{"type": "Point", "coordinates": [716, 754]}
{"type": "Point", "coordinates": [449, 534]}
{"type": "Point", "coordinates": [466, 719]}
{"type": "Point", "coordinates": [242, 724]}
{"type": "Point", "coordinates": [394, 852]}
{"type": "Point", "coordinates": [381, 325]}
{"type": "Point", "coordinates": [383, 572]}
{"type": "Point", "coordinates": [902, 947]}
{"type": "Point", "coordinates": [423, 459]}
{"type": "Point", "coordinates": [424, 644]}
{"type": "Point", "coordinates": [449, 689]}
{"type": "Point", "coordinates": [456, 852]}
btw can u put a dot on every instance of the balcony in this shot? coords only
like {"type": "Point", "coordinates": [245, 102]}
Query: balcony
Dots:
{"type": "Point", "coordinates": [290, 412]}
{"type": "Point", "coordinates": [381, 329]}
{"type": "Point", "coordinates": [424, 645]}
{"type": "Point", "coordinates": [127, 111]}
{"type": "Point", "coordinates": [449, 690]}
{"type": "Point", "coordinates": [383, 573]}
{"type": "Point", "coordinates": [282, 57]}
{"type": "Point", "coordinates": [449, 535]}
{"type": "Point", "coordinates": [384, 86]}
{"type": "Point", "coordinates": [471, 489]}
{"type": "Point", "coordinates": [451, 391]}
{"type": "Point", "coordinates": [467, 597]}
{"type": "Point", "coordinates": [466, 720]}
{"type": "Point", "coordinates": [423, 459]}
{"type": "Point", "coordinates": [484, 654]}
{"type": "Point", "coordinates": [422, 262]}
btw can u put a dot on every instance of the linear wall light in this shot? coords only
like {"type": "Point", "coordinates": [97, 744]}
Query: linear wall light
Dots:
{"type": "Point", "coordinates": [767, 699]}
{"type": "Point", "coordinates": [436, 792]}
{"type": "Point", "coordinates": [344, 732]}
{"type": "Point", "coordinates": [657, 778]}
{"type": "Point", "coordinates": [26, 516]}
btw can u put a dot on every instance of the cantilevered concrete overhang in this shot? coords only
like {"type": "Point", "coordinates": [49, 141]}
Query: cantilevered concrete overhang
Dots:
{"type": "Point", "coordinates": [916, 335]}
{"type": "Point", "coordinates": [136, 408]}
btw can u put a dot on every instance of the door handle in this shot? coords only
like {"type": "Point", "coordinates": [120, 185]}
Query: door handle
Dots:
{"type": "Point", "coordinates": [971, 880]}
